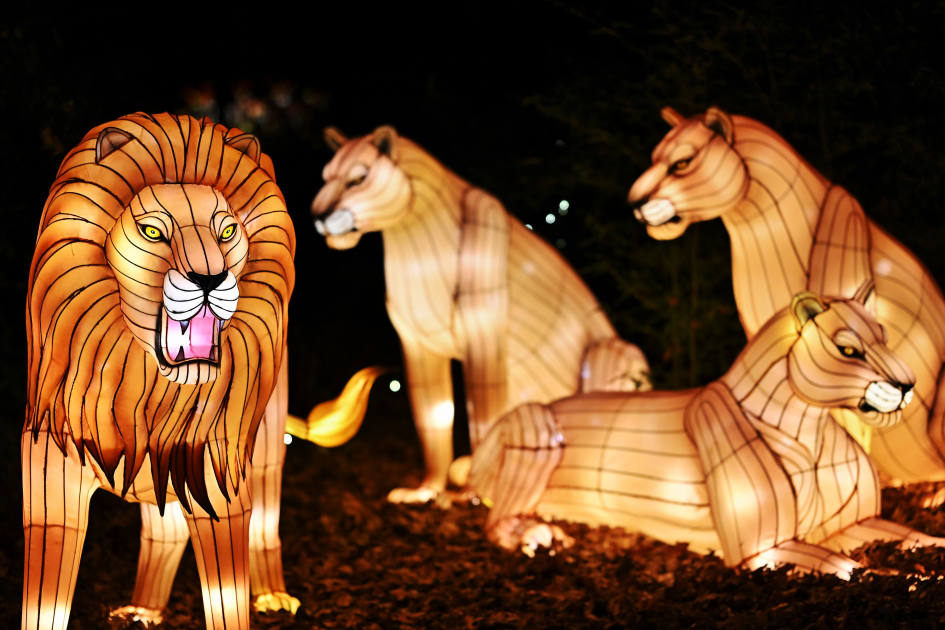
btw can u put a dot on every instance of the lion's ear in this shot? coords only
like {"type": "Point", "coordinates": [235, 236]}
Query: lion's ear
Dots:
{"type": "Point", "coordinates": [804, 306]}
{"type": "Point", "coordinates": [334, 138]}
{"type": "Point", "coordinates": [721, 123]}
{"type": "Point", "coordinates": [110, 140]}
{"type": "Point", "coordinates": [671, 116]}
{"type": "Point", "coordinates": [384, 138]}
{"type": "Point", "coordinates": [248, 144]}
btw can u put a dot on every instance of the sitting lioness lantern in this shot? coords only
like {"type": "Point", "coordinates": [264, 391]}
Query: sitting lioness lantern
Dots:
{"type": "Point", "coordinates": [751, 466]}
{"type": "Point", "coordinates": [466, 281]}
{"type": "Point", "coordinates": [156, 324]}
{"type": "Point", "coordinates": [792, 230]}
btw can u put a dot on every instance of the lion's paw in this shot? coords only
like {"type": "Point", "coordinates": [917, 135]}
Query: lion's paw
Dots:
{"type": "Point", "coordinates": [149, 617]}
{"type": "Point", "coordinates": [272, 602]}
{"type": "Point", "coordinates": [528, 535]}
{"type": "Point", "coordinates": [413, 495]}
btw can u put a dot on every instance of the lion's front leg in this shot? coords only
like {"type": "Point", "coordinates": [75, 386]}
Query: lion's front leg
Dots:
{"type": "Point", "coordinates": [430, 388]}
{"type": "Point", "coordinates": [265, 547]}
{"type": "Point", "coordinates": [163, 540]}
{"type": "Point", "coordinates": [57, 490]}
{"type": "Point", "coordinates": [221, 548]}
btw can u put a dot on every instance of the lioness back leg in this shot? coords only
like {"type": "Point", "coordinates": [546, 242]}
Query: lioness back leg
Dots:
{"type": "Point", "coordinates": [613, 365]}
{"type": "Point", "coordinates": [265, 547]}
{"type": "Point", "coordinates": [56, 494]}
{"type": "Point", "coordinates": [511, 469]}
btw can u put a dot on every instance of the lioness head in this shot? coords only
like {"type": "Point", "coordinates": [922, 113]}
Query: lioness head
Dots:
{"type": "Point", "coordinates": [696, 175]}
{"type": "Point", "coordinates": [840, 359]}
{"type": "Point", "coordinates": [364, 189]}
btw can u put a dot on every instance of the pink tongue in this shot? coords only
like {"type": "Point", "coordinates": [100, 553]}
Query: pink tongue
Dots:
{"type": "Point", "coordinates": [197, 340]}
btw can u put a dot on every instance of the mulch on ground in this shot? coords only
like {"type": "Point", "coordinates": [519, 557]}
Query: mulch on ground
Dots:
{"type": "Point", "coordinates": [356, 561]}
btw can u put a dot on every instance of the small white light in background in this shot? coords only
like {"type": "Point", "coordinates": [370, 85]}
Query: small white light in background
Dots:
{"type": "Point", "coordinates": [563, 206]}
{"type": "Point", "coordinates": [287, 438]}
{"type": "Point", "coordinates": [549, 218]}
{"type": "Point", "coordinates": [529, 226]}
{"type": "Point", "coordinates": [394, 385]}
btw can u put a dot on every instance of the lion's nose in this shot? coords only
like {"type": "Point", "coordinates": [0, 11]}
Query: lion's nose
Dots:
{"type": "Point", "coordinates": [207, 282]}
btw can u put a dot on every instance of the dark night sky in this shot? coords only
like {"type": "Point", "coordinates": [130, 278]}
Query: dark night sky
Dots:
{"type": "Point", "coordinates": [533, 101]}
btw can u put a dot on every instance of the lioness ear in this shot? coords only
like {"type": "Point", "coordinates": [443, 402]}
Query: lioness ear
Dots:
{"type": "Point", "coordinates": [721, 123]}
{"type": "Point", "coordinates": [671, 116]}
{"type": "Point", "coordinates": [384, 138]}
{"type": "Point", "coordinates": [865, 292]}
{"type": "Point", "coordinates": [804, 306]}
{"type": "Point", "coordinates": [334, 138]}
{"type": "Point", "coordinates": [248, 144]}
{"type": "Point", "coordinates": [110, 140]}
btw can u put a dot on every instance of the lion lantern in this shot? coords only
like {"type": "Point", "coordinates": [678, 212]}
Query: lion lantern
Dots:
{"type": "Point", "coordinates": [156, 324]}
{"type": "Point", "coordinates": [793, 230]}
{"type": "Point", "coordinates": [466, 281]}
{"type": "Point", "coordinates": [752, 465]}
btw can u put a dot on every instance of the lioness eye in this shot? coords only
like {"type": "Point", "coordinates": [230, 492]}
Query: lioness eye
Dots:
{"type": "Point", "coordinates": [679, 165]}
{"type": "Point", "coordinates": [354, 182]}
{"type": "Point", "coordinates": [228, 232]}
{"type": "Point", "coordinates": [150, 232]}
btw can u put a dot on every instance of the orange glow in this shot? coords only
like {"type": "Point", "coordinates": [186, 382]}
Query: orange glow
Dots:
{"type": "Point", "coordinates": [153, 361]}
{"type": "Point", "coordinates": [751, 466]}
{"type": "Point", "coordinates": [465, 280]}
{"type": "Point", "coordinates": [793, 230]}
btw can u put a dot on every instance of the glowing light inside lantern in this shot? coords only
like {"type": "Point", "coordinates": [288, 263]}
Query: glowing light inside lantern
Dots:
{"type": "Point", "coordinates": [443, 414]}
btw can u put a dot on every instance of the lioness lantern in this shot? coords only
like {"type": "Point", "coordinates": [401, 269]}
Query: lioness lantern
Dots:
{"type": "Point", "coordinates": [751, 466]}
{"type": "Point", "coordinates": [793, 230]}
{"type": "Point", "coordinates": [156, 324]}
{"type": "Point", "coordinates": [466, 281]}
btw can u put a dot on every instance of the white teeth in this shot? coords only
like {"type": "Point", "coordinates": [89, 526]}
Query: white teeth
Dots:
{"type": "Point", "coordinates": [657, 211]}
{"type": "Point", "coordinates": [906, 399]}
{"type": "Point", "coordinates": [182, 298]}
{"type": "Point", "coordinates": [339, 222]}
{"type": "Point", "coordinates": [883, 396]}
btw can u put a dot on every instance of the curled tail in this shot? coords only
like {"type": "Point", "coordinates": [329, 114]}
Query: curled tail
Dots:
{"type": "Point", "coordinates": [334, 422]}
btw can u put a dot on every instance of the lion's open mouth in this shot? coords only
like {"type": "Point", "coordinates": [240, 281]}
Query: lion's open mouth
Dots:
{"type": "Point", "coordinates": [194, 339]}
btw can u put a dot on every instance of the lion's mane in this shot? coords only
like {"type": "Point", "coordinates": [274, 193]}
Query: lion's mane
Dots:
{"type": "Point", "coordinates": [89, 379]}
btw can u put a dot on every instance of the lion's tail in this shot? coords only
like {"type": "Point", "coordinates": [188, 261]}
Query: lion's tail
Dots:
{"type": "Point", "coordinates": [334, 422]}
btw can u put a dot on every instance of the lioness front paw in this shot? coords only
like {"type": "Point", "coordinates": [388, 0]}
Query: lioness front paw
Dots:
{"type": "Point", "coordinates": [148, 617]}
{"type": "Point", "coordinates": [413, 495]}
{"type": "Point", "coordinates": [272, 602]}
{"type": "Point", "coordinates": [528, 535]}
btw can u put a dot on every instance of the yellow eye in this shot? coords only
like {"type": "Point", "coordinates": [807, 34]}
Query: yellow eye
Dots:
{"type": "Point", "coordinates": [228, 232]}
{"type": "Point", "coordinates": [679, 165]}
{"type": "Point", "coordinates": [849, 351]}
{"type": "Point", "coordinates": [150, 232]}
